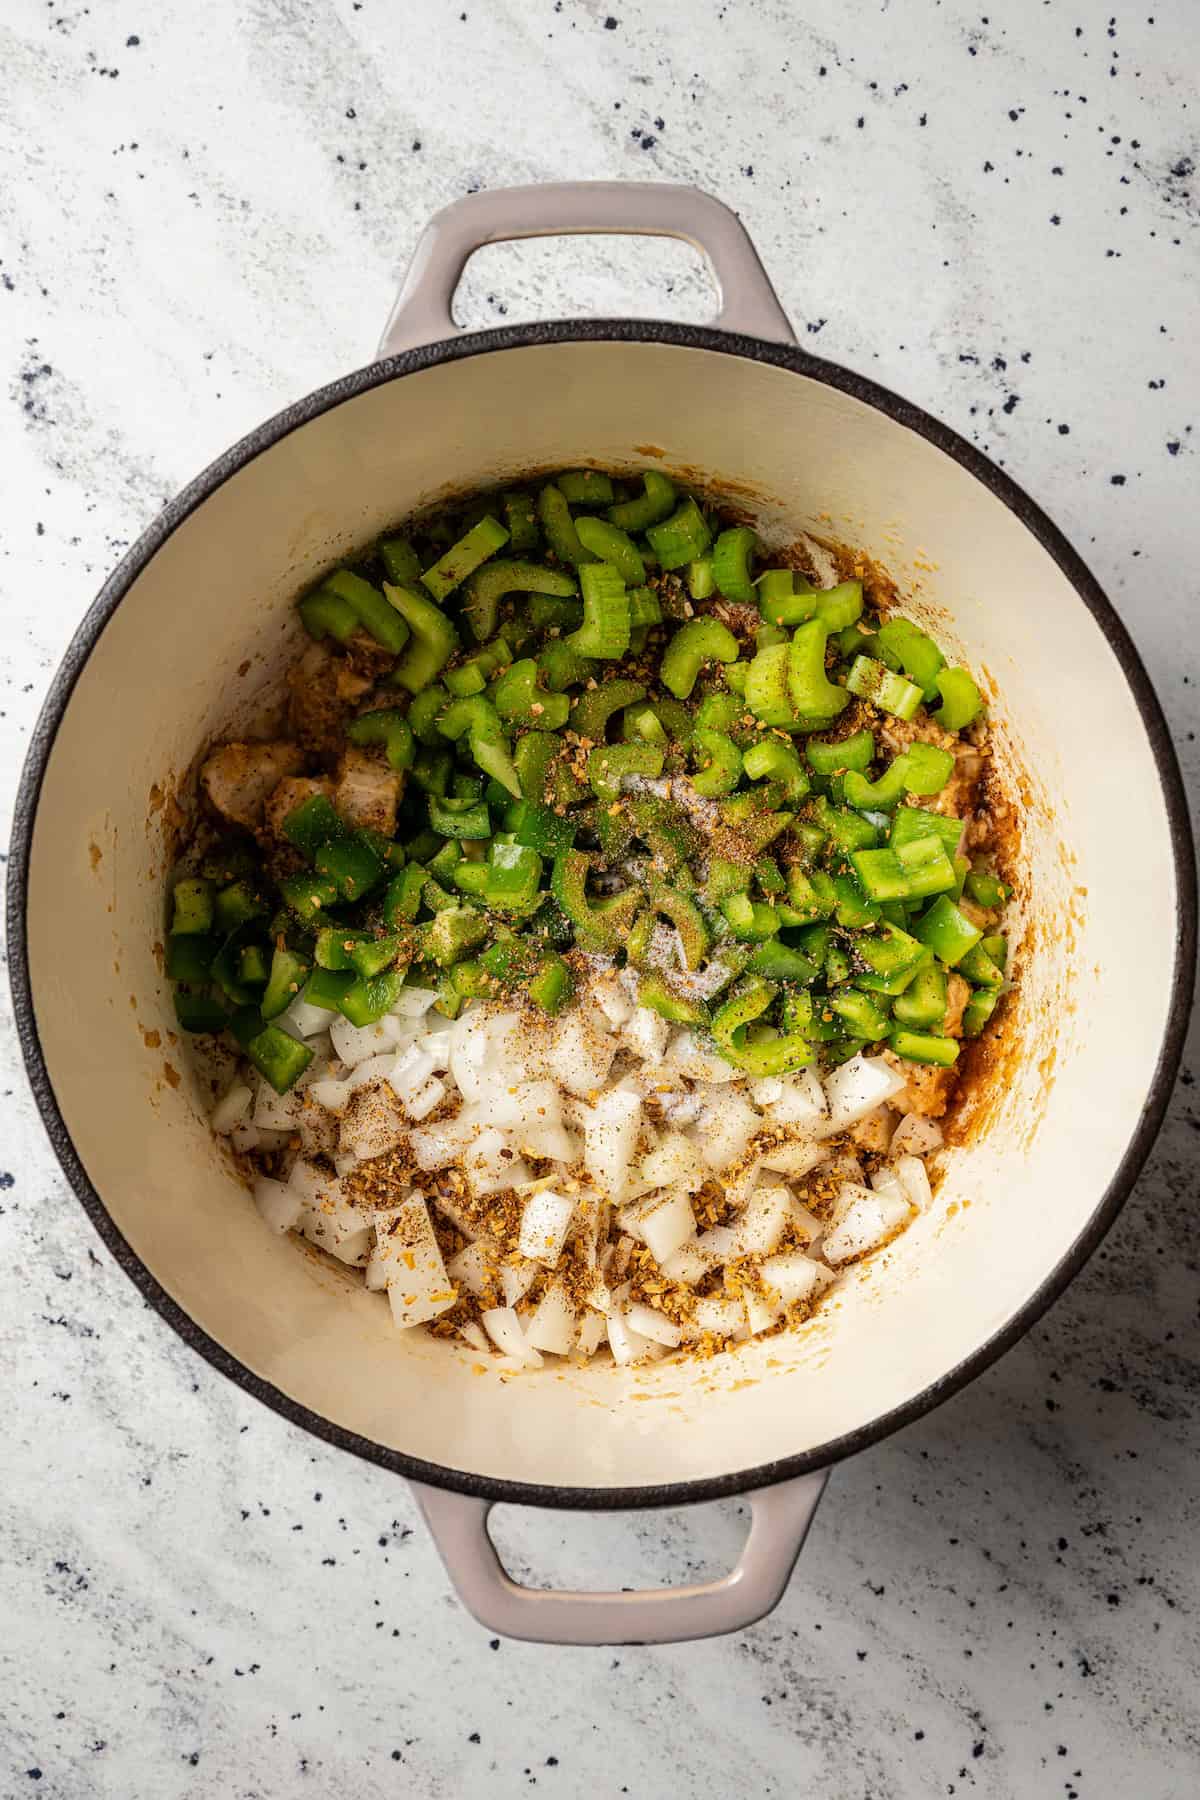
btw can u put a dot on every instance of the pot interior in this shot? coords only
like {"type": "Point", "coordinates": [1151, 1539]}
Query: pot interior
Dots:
{"type": "Point", "coordinates": [206, 628]}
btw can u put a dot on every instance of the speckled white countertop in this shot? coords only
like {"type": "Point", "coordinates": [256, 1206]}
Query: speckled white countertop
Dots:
{"type": "Point", "coordinates": [203, 210]}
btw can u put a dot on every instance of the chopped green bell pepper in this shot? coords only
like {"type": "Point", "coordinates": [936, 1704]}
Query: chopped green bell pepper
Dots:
{"type": "Point", "coordinates": [946, 931]}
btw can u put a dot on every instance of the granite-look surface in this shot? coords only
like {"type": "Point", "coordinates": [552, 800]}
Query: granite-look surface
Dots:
{"type": "Point", "coordinates": [203, 210]}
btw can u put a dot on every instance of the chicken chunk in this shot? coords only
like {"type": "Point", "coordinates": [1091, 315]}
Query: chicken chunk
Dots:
{"type": "Point", "coordinates": [957, 798]}
{"type": "Point", "coordinates": [237, 778]}
{"type": "Point", "coordinates": [368, 792]}
{"type": "Point", "coordinates": [323, 689]}
{"type": "Point", "coordinates": [291, 792]}
{"type": "Point", "coordinates": [875, 1131]}
{"type": "Point", "coordinates": [958, 992]}
{"type": "Point", "coordinates": [927, 1090]}
{"type": "Point", "coordinates": [898, 734]}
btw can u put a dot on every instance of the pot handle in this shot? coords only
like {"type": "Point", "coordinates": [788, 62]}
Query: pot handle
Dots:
{"type": "Point", "coordinates": [779, 1520]}
{"type": "Point", "coordinates": [422, 312]}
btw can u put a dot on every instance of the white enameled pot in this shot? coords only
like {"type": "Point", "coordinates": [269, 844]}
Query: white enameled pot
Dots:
{"type": "Point", "coordinates": [193, 631]}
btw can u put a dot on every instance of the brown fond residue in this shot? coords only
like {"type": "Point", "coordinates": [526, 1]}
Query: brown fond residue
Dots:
{"type": "Point", "coordinates": [171, 1075]}
{"type": "Point", "coordinates": [151, 1039]}
{"type": "Point", "coordinates": [95, 855]}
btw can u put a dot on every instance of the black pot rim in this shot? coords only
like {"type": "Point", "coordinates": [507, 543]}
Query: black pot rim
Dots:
{"type": "Point", "coordinates": [1003, 488]}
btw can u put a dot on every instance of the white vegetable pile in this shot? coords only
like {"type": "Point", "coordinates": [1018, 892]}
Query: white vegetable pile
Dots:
{"type": "Point", "coordinates": [598, 1128]}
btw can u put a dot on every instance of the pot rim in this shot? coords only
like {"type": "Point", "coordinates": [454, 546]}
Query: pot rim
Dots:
{"type": "Point", "coordinates": [1002, 487]}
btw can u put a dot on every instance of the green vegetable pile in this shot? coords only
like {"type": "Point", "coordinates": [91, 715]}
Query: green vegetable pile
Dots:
{"type": "Point", "coordinates": [595, 762]}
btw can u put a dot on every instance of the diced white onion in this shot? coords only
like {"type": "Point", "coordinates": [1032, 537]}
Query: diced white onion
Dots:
{"type": "Point", "coordinates": [437, 1146]}
{"type": "Point", "coordinates": [846, 1167]}
{"type": "Point", "coordinates": [674, 1162]}
{"type": "Point", "coordinates": [475, 1268]}
{"type": "Point", "coordinates": [516, 1279]}
{"type": "Point", "coordinates": [438, 1025]}
{"type": "Point", "coordinates": [331, 1094]}
{"type": "Point", "coordinates": [305, 1018]}
{"type": "Point", "coordinates": [620, 1255]}
{"type": "Point", "coordinates": [626, 1345]}
{"type": "Point", "coordinates": [551, 1326]}
{"type": "Point", "coordinates": [857, 1088]}
{"type": "Point", "coordinates": [727, 1124]}
{"type": "Point", "coordinates": [545, 1221]}
{"type": "Point", "coordinates": [410, 1071]}
{"type": "Point", "coordinates": [373, 1126]}
{"type": "Point", "coordinates": [725, 1317]}
{"type": "Point", "coordinates": [504, 1328]}
{"type": "Point", "coordinates": [329, 1220]}
{"type": "Point", "coordinates": [610, 1136]}
{"type": "Point", "coordinates": [697, 1063]}
{"type": "Point", "coordinates": [468, 1052]}
{"type": "Point", "coordinates": [417, 1283]}
{"type": "Point", "coordinates": [761, 1313]}
{"type": "Point", "coordinates": [248, 1137]}
{"type": "Point", "coordinates": [874, 1132]}
{"type": "Point", "coordinates": [915, 1180]}
{"type": "Point", "coordinates": [851, 1190]}
{"type": "Point", "coordinates": [231, 1109]}
{"type": "Point", "coordinates": [436, 1045]}
{"type": "Point", "coordinates": [355, 1248]}
{"type": "Point", "coordinates": [683, 1109]}
{"type": "Point", "coordinates": [426, 1100]}
{"type": "Point", "coordinates": [279, 1204]}
{"type": "Point", "coordinates": [648, 1322]}
{"type": "Point", "coordinates": [767, 1216]}
{"type": "Point", "coordinates": [793, 1158]}
{"type": "Point", "coordinates": [591, 1334]}
{"type": "Point", "coordinates": [612, 1000]}
{"type": "Point", "coordinates": [275, 1112]}
{"type": "Point", "coordinates": [354, 1043]}
{"type": "Point", "coordinates": [582, 1053]}
{"type": "Point", "coordinates": [805, 1224]}
{"type": "Point", "coordinates": [717, 1245]}
{"type": "Point", "coordinates": [525, 1106]}
{"type": "Point", "coordinates": [527, 1088]}
{"type": "Point", "coordinates": [916, 1136]}
{"type": "Point", "coordinates": [489, 1164]}
{"type": "Point", "coordinates": [553, 1143]}
{"type": "Point", "coordinates": [869, 1221]}
{"type": "Point", "coordinates": [372, 1068]}
{"type": "Point", "coordinates": [687, 1264]}
{"type": "Point", "coordinates": [794, 1277]}
{"type": "Point", "coordinates": [885, 1180]}
{"type": "Point", "coordinates": [414, 1002]}
{"type": "Point", "coordinates": [801, 1100]}
{"type": "Point", "coordinates": [645, 1035]}
{"type": "Point", "coordinates": [664, 1222]}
